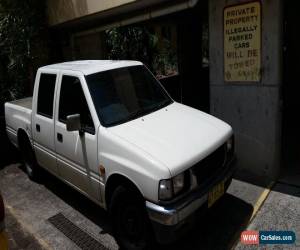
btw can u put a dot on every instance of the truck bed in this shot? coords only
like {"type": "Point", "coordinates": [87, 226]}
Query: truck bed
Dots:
{"type": "Point", "coordinates": [18, 116]}
{"type": "Point", "coordinates": [25, 102]}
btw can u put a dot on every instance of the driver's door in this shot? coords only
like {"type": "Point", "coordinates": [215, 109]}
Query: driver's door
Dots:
{"type": "Point", "coordinates": [76, 152]}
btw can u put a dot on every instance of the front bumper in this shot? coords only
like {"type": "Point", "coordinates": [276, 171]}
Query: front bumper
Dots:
{"type": "Point", "coordinates": [172, 217]}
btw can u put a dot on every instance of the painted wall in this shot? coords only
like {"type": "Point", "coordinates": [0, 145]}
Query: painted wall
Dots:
{"type": "Point", "coordinates": [60, 11]}
{"type": "Point", "coordinates": [253, 109]}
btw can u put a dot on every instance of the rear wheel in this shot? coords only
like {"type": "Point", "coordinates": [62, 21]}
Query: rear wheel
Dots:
{"type": "Point", "coordinates": [29, 160]}
{"type": "Point", "coordinates": [131, 224]}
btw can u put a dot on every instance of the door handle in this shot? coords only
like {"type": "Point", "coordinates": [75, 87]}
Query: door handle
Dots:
{"type": "Point", "coordinates": [38, 127]}
{"type": "Point", "coordinates": [59, 137]}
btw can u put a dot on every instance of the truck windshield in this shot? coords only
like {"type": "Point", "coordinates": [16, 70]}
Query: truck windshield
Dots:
{"type": "Point", "coordinates": [124, 94]}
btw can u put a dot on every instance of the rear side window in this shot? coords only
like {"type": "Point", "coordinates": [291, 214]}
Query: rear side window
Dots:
{"type": "Point", "coordinates": [46, 95]}
{"type": "Point", "coordinates": [72, 101]}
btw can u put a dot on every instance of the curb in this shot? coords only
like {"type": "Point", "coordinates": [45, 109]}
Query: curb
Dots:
{"type": "Point", "coordinates": [42, 243]}
{"type": "Point", "coordinates": [260, 201]}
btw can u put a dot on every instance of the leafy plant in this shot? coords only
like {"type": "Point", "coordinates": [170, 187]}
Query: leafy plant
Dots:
{"type": "Point", "coordinates": [22, 32]}
{"type": "Point", "coordinates": [139, 43]}
{"type": "Point", "coordinates": [165, 60]}
{"type": "Point", "coordinates": [131, 43]}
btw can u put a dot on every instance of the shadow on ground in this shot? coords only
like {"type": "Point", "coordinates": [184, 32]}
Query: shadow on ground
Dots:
{"type": "Point", "coordinates": [292, 190]}
{"type": "Point", "coordinates": [217, 228]}
{"type": "Point", "coordinates": [77, 201]}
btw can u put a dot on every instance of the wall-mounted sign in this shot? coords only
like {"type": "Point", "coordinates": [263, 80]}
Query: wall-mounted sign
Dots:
{"type": "Point", "coordinates": [242, 43]}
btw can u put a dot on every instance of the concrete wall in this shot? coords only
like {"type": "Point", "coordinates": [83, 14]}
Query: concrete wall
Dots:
{"type": "Point", "coordinates": [60, 11]}
{"type": "Point", "coordinates": [253, 109]}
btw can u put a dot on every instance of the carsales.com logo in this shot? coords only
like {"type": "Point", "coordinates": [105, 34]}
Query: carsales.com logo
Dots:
{"type": "Point", "coordinates": [267, 237]}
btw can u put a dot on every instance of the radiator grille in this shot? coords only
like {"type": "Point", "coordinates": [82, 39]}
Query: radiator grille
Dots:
{"type": "Point", "coordinates": [208, 168]}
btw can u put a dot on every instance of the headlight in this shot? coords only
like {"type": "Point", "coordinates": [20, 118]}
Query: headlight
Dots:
{"type": "Point", "coordinates": [178, 183]}
{"type": "Point", "coordinates": [165, 191]}
{"type": "Point", "coordinates": [171, 187]}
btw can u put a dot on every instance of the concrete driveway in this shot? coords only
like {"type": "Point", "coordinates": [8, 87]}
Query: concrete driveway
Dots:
{"type": "Point", "coordinates": [51, 215]}
{"type": "Point", "coordinates": [280, 212]}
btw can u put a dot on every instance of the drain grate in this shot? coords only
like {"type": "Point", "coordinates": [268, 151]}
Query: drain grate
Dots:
{"type": "Point", "coordinates": [82, 239]}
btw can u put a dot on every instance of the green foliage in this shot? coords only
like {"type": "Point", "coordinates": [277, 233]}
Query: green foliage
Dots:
{"type": "Point", "coordinates": [138, 43]}
{"type": "Point", "coordinates": [21, 25]}
{"type": "Point", "coordinates": [165, 60]}
{"type": "Point", "coordinates": [131, 43]}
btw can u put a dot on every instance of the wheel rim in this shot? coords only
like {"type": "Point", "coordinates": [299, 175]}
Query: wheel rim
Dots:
{"type": "Point", "coordinates": [28, 159]}
{"type": "Point", "coordinates": [28, 169]}
{"type": "Point", "coordinates": [132, 225]}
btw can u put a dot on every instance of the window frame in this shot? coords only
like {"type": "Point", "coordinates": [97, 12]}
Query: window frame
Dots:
{"type": "Point", "coordinates": [91, 131]}
{"type": "Point", "coordinates": [51, 117]}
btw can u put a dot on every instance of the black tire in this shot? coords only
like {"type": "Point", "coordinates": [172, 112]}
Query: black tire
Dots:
{"type": "Point", "coordinates": [131, 225]}
{"type": "Point", "coordinates": [29, 159]}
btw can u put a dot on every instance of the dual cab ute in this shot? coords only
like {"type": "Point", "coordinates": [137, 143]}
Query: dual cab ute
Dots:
{"type": "Point", "coordinates": [112, 132]}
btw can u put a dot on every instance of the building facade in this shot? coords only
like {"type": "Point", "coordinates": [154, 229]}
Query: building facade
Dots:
{"type": "Point", "coordinates": [236, 59]}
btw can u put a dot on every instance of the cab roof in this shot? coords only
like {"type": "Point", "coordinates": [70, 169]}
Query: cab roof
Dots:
{"type": "Point", "coordinates": [88, 67]}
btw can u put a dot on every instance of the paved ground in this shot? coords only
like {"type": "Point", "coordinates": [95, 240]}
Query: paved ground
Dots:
{"type": "Point", "coordinates": [30, 205]}
{"type": "Point", "coordinates": [33, 204]}
{"type": "Point", "coordinates": [19, 237]}
{"type": "Point", "coordinates": [281, 211]}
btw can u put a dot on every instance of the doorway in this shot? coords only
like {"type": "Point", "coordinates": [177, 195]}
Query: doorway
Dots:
{"type": "Point", "coordinates": [193, 56]}
{"type": "Point", "coordinates": [291, 100]}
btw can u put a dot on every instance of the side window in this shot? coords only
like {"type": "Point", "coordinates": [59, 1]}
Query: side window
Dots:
{"type": "Point", "coordinates": [46, 95]}
{"type": "Point", "coordinates": [72, 101]}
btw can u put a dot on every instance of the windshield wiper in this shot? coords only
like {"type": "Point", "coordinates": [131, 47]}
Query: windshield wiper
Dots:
{"type": "Point", "coordinates": [136, 114]}
{"type": "Point", "coordinates": [131, 116]}
{"type": "Point", "coordinates": [163, 103]}
{"type": "Point", "coordinates": [148, 110]}
{"type": "Point", "coordinates": [141, 112]}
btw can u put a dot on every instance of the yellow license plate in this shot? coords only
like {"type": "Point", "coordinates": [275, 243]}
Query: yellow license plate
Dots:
{"type": "Point", "coordinates": [215, 193]}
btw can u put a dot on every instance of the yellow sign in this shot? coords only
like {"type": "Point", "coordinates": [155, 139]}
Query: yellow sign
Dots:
{"type": "Point", "coordinates": [242, 43]}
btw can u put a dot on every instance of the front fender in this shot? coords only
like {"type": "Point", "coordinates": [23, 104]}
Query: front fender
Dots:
{"type": "Point", "coordinates": [120, 157]}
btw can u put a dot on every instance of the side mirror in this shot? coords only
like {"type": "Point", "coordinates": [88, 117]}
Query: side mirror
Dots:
{"type": "Point", "coordinates": [73, 122]}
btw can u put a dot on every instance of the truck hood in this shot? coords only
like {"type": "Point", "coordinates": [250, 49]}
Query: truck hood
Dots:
{"type": "Point", "coordinates": [178, 136]}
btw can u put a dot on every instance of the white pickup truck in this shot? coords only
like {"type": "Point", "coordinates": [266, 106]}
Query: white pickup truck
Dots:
{"type": "Point", "coordinates": [111, 131]}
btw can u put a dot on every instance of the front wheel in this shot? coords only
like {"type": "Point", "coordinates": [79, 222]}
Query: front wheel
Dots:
{"type": "Point", "coordinates": [131, 224]}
